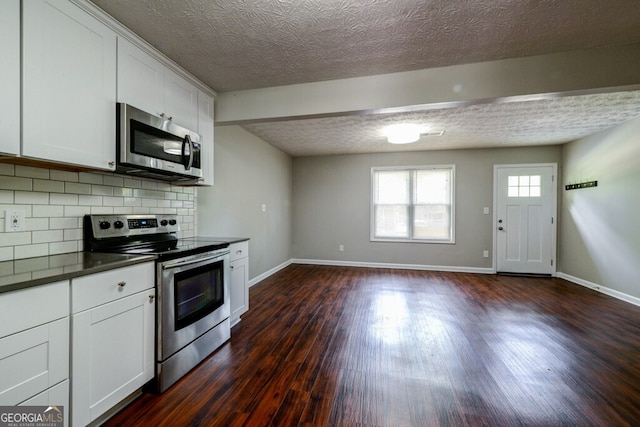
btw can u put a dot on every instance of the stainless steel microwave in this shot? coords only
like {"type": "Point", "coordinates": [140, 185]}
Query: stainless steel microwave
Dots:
{"type": "Point", "coordinates": [154, 147]}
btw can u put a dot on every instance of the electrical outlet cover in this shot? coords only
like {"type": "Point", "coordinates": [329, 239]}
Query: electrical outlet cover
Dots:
{"type": "Point", "coordinates": [14, 221]}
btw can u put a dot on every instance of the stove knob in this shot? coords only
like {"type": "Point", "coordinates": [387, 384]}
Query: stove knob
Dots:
{"type": "Point", "coordinates": [163, 223]}
{"type": "Point", "coordinates": [118, 224]}
{"type": "Point", "coordinates": [172, 222]}
{"type": "Point", "coordinates": [105, 225]}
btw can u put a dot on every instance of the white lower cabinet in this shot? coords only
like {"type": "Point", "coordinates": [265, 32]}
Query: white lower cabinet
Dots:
{"type": "Point", "coordinates": [34, 346]}
{"type": "Point", "coordinates": [112, 345]}
{"type": "Point", "coordinates": [239, 283]}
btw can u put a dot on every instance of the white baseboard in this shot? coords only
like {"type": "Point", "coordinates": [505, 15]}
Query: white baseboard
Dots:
{"type": "Point", "coordinates": [602, 289]}
{"type": "Point", "coordinates": [455, 269]}
{"type": "Point", "coordinates": [268, 273]}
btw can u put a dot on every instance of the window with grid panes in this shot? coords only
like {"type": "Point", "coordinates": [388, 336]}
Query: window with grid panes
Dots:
{"type": "Point", "coordinates": [414, 204]}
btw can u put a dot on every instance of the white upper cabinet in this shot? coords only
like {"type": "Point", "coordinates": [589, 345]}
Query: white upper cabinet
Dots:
{"type": "Point", "coordinates": [140, 78]}
{"type": "Point", "coordinates": [10, 77]}
{"type": "Point", "coordinates": [147, 84]}
{"type": "Point", "coordinates": [205, 129]}
{"type": "Point", "coordinates": [181, 100]}
{"type": "Point", "coordinates": [69, 85]}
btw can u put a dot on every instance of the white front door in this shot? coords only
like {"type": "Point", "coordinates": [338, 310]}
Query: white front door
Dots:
{"type": "Point", "coordinates": [525, 211]}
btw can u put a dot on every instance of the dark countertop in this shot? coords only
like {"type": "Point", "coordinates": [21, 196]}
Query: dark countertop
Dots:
{"type": "Point", "coordinates": [230, 240]}
{"type": "Point", "coordinates": [24, 273]}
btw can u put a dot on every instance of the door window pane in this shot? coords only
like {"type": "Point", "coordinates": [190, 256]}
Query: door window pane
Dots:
{"type": "Point", "coordinates": [524, 186]}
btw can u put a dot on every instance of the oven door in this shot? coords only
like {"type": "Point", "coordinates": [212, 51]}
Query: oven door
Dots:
{"type": "Point", "coordinates": [193, 297]}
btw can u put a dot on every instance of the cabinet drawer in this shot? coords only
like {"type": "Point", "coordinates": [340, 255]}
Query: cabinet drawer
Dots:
{"type": "Point", "coordinates": [26, 308]}
{"type": "Point", "coordinates": [239, 250]}
{"type": "Point", "coordinates": [33, 360]}
{"type": "Point", "coordinates": [96, 289]}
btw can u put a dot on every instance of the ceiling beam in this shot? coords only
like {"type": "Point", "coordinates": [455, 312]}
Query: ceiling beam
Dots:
{"type": "Point", "coordinates": [535, 77]}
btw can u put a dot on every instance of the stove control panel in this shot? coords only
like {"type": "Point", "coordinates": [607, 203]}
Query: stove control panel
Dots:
{"type": "Point", "coordinates": [108, 226]}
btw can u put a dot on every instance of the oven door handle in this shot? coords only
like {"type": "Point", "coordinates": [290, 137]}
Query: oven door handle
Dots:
{"type": "Point", "coordinates": [166, 266]}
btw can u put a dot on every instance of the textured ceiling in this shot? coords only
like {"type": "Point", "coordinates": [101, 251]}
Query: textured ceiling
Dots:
{"type": "Point", "coordinates": [552, 121]}
{"type": "Point", "coordinates": [249, 44]}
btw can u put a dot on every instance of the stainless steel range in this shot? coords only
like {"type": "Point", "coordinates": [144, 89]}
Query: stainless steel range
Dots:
{"type": "Point", "coordinates": [192, 286]}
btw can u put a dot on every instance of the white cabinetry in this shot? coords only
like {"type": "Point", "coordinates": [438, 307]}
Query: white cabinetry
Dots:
{"type": "Point", "coordinates": [10, 77]}
{"type": "Point", "coordinates": [147, 84]}
{"type": "Point", "coordinates": [112, 348]}
{"type": "Point", "coordinates": [34, 346]}
{"type": "Point", "coordinates": [205, 129]}
{"type": "Point", "coordinates": [239, 283]}
{"type": "Point", "coordinates": [69, 85]}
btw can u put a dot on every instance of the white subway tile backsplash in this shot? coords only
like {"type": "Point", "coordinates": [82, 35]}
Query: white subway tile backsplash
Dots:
{"type": "Point", "coordinates": [6, 196]}
{"type": "Point", "coordinates": [72, 234]}
{"type": "Point", "coordinates": [62, 223]}
{"type": "Point", "coordinates": [113, 201]}
{"type": "Point", "coordinates": [55, 202]}
{"type": "Point", "coordinates": [63, 247]}
{"type": "Point", "coordinates": [113, 181]}
{"type": "Point", "coordinates": [31, 172]}
{"type": "Point", "coordinates": [48, 186]}
{"type": "Point", "coordinates": [90, 178]}
{"type": "Point", "coordinates": [31, 198]}
{"type": "Point", "coordinates": [47, 236]}
{"type": "Point", "coordinates": [35, 224]}
{"type": "Point", "coordinates": [56, 175]}
{"type": "Point", "coordinates": [7, 169]}
{"type": "Point", "coordinates": [101, 190]}
{"type": "Point", "coordinates": [77, 188]}
{"type": "Point", "coordinates": [31, 251]}
{"type": "Point", "coordinates": [132, 183]}
{"type": "Point", "coordinates": [16, 183]}
{"type": "Point", "coordinates": [6, 254]}
{"type": "Point", "coordinates": [49, 211]}
{"type": "Point", "coordinates": [63, 199]}
{"type": "Point", "coordinates": [89, 200]}
{"type": "Point", "coordinates": [13, 239]}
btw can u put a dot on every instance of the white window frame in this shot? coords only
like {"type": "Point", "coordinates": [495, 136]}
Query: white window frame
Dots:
{"type": "Point", "coordinates": [411, 239]}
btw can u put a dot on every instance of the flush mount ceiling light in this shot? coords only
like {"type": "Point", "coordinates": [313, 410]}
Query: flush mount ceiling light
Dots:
{"type": "Point", "coordinates": [403, 133]}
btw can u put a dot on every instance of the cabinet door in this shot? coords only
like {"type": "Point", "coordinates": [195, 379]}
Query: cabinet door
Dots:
{"type": "Point", "coordinates": [239, 289]}
{"type": "Point", "coordinates": [140, 78]}
{"type": "Point", "coordinates": [57, 395]}
{"type": "Point", "coordinates": [205, 129]}
{"type": "Point", "coordinates": [112, 354]}
{"type": "Point", "coordinates": [180, 100]}
{"type": "Point", "coordinates": [69, 85]}
{"type": "Point", "coordinates": [33, 360]}
{"type": "Point", "coordinates": [10, 77]}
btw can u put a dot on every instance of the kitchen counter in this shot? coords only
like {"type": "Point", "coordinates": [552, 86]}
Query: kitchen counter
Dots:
{"type": "Point", "coordinates": [24, 273]}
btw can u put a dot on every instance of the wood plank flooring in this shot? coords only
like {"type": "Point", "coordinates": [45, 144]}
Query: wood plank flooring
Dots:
{"type": "Point", "coordinates": [341, 346]}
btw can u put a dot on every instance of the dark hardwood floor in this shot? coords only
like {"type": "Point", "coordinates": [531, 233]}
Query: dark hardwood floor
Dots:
{"type": "Point", "coordinates": [337, 346]}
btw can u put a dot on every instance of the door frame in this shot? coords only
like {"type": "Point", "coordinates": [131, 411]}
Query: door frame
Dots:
{"type": "Point", "coordinates": [554, 211]}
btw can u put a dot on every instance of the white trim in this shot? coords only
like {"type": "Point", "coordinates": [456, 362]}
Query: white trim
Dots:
{"type": "Point", "coordinates": [599, 288]}
{"type": "Point", "coordinates": [268, 273]}
{"type": "Point", "coordinates": [454, 269]}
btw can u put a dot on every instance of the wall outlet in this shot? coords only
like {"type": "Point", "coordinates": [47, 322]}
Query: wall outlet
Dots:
{"type": "Point", "coordinates": [485, 254]}
{"type": "Point", "coordinates": [13, 221]}
{"type": "Point", "coordinates": [263, 207]}
{"type": "Point", "coordinates": [485, 211]}
{"type": "Point", "coordinates": [341, 248]}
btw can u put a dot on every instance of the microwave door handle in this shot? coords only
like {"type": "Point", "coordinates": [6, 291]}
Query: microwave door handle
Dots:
{"type": "Point", "coordinates": [187, 161]}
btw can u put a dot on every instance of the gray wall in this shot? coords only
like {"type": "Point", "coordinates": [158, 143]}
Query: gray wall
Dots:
{"type": "Point", "coordinates": [599, 236]}
{"type": "Point", "coordinates": [248, 172]}
{"type": "Point", "coordinates": [331, 206]}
